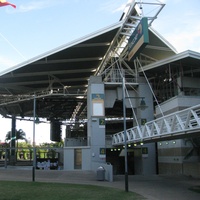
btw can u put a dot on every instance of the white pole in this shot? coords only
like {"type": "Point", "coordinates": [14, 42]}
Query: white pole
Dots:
{"type": "Point", "coordinates": [125, 136]}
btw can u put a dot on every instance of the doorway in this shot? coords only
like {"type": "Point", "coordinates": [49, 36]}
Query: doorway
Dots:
{"type": "Point", "coordinates": [77, 158]}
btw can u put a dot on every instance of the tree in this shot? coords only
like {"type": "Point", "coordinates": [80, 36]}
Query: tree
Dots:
{"type": "Point", "coordinates": [19, 135]}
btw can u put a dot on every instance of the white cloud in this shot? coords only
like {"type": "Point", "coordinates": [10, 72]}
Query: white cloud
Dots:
{"type": "Point", "coordinates": [33, 5]}
{"type": "Point", "coordinates": [180, 27]}
{"type": "Point", "coordinates": [36, 5]}
{"type": "Point", "coordinates": [184, 39]}
{"type": "Point", "coordinates": [113, 6]}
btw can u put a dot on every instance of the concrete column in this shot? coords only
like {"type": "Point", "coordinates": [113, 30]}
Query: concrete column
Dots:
{"type": "Point", "coordinates": [148, 151]}
{"type": "Point", "coordinates": [96, 119]}
{"type": "Point", "coordinates": [13, 141]}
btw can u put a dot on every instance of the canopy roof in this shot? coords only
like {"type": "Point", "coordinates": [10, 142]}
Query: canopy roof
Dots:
{"type": "Point", "coordinates": [59, 78]}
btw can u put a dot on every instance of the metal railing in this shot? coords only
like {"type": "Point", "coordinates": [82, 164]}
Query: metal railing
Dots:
{"type": "Point", "coordinates": [174, 125]}
{"type": "Point", "coordinates": [24, 156]}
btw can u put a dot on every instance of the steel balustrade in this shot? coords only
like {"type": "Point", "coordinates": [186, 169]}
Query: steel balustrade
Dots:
{"type": "Point", "coordinates": [176, 124]}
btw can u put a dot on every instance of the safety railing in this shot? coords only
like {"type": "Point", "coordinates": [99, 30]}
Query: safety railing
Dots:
{"type": "Point", "coordinates": [176, 124]}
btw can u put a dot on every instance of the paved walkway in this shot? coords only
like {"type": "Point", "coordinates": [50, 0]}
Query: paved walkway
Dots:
{"type": "Point", "coordinates": [154, 187]}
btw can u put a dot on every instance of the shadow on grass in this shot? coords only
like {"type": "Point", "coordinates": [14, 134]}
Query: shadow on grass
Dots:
{"type": "Point", "coordinates": [11, 190]}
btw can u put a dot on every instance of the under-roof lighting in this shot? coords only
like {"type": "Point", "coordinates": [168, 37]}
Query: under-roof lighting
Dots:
{"type": "Point", "coordinates": [80, 97]}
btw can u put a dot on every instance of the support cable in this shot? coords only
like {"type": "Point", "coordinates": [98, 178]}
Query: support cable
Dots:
{"type": "Point", "coordinates": [126, 91]}
{"type": "Point", "coordinates": [12, 46]}
{"type": "Point", "coordinates": [150, 87]}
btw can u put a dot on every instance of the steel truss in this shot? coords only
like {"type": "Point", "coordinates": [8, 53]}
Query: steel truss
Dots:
{"type": "Point", "coordinates": [132, 15]}
{"type": "Point", "coordinates": [177, 124]}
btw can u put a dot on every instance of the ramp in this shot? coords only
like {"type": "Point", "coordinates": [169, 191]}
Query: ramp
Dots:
{"type": "Point", "coordinates": [176, 125]}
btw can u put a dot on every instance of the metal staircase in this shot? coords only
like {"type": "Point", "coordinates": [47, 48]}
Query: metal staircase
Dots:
{"type": "Point", "coordinates": [134, 11]}
{"type": "Point", "coordinates": [176, 125]}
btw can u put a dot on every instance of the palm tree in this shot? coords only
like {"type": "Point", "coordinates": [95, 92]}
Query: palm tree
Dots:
{"type": "Point", "coordinates": [19, 135]}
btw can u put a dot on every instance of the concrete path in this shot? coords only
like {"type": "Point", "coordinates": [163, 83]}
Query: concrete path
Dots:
{"type": "Point", "coordinates": [154, 187]}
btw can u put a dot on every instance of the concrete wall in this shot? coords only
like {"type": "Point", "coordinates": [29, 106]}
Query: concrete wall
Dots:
{"type": "Point", "coordinates": [185, 168]}
{"type": "Point", "coordinates": [149, 162]}
{"type": "Point", "coordinates": [174, 156]}
{"type": "Point", "coordinates": [71, 142]}
{"type": "Point", "coordinates": [69, 158]}
{"type": "Point", "coordinates": [86, 159]}
{"type": "Point", "coordinates": [86, 162]}
{"type": "Point", "coordinates": [170, 168]}
{"type": "Point", "coordinates": [177, 103]}
{"type": "Point", "coordinates": [95, 116]}
{"type": "Point", "coordinates": [145, 164]}
{"type": "Point", "coordinates": [192, 169]}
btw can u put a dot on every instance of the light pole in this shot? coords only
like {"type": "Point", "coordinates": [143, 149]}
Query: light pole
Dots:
{"type": "Point", "coordinates": [34, 150]}
{"type": "Point", "coordinates": [125, 136]}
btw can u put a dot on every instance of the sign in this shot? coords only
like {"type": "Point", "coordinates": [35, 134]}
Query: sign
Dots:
{"type": "Point", "coordinates": [144, 152]}
{"type": "Point", "coordinates": [102, 123]}
{"type": "Point", "coordinates": [139, 39]}
{"type": "Point", "coordinates": [143, 121]}
{"type": "Point", "coordinates": [102, 153]}
{"type": "Point", "coordinates": [97, 104]}
{"type": "Point", "coordinates": [97, 96]}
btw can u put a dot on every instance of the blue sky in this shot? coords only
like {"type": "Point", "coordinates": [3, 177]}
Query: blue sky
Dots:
{"type": "Point", "coordinates": [179, 23]}
{"type": "Point", "coordinates": [36, 27]}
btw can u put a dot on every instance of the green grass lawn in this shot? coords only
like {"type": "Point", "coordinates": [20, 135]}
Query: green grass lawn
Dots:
{"type": "Point", "coordinates": [10, 190]}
